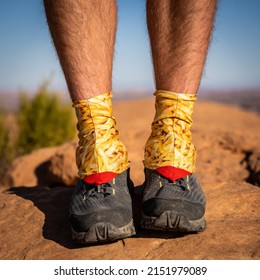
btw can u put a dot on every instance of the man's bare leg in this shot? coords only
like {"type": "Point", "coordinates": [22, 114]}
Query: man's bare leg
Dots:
{"type": "Point", "coordinates": [83, 33]}
{"type": "Point", "coordinates": [180, 32]}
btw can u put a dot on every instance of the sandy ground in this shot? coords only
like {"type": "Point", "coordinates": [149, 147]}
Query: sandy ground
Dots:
{"type": "Point", "coordinates": [34, 207]}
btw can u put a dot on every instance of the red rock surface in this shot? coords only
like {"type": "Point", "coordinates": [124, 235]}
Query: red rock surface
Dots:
{"type": "Point", "coordinates": [34, 208]}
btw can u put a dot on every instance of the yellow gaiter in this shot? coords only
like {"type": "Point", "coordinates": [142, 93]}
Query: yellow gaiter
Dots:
{"type": "Point", "coordinates": [169, 144]}
{"type": "Point", "coordinates": [99, 150]}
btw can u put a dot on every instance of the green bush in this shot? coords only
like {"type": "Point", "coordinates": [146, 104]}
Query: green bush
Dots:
{"type": "Point", "coordinates": [6, 150]}
{"type": "Point", "coordinates": [44, 121]}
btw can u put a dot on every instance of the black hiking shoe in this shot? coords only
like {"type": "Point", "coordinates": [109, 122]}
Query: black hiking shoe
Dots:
{"type": "Point", "coordinates": [102, 213]}
{"type": "Point", "coordinates": [172, 206]}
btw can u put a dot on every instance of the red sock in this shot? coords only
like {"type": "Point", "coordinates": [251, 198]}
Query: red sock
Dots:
{"type": "Point", "coordinates": [100, 178]}
{"type": "Point", "coordinates": [172, 173]}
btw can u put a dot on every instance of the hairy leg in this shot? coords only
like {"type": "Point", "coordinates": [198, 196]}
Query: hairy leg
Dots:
{"type": "Point", "coordinates": [180, 32]}
{"type": "Point", "coordinates": [83, 33]}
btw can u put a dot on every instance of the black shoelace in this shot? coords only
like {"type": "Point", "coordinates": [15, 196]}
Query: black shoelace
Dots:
{"type": "Point", "coordinates": [98, 191]}
{"type": "Point", "coordinates": [182, 183]}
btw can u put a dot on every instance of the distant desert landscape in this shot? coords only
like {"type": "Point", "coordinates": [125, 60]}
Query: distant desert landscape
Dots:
{"type": "Point", "coordinates": [34, 200]}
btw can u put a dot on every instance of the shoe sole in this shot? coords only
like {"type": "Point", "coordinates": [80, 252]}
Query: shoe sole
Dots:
{"type": "Point", "coordinates": [103, 232]}
{"type": "Point", "coordinates": [173, 221]}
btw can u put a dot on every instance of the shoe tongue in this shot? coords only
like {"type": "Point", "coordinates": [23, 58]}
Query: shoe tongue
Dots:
{"type": "Point", "coordinates": [172, 173]}
{"type": "Point", "coordinates": [100, 178]}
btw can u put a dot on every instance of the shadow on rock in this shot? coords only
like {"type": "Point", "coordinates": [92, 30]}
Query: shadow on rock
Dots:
{"type": "Point", "coordinates": [54, 203]}
{"type": "Point", "coordinates": [42, 174]}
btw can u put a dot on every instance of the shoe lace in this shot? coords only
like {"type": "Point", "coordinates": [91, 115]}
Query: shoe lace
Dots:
{"type": "Point", "coordinates": [182, 183]}
{"type": "Point", "coordinates": [98, 191]}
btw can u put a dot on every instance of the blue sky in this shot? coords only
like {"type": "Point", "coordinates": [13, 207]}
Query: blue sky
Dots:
{"type": "Point", "coordinates": [27, 56]}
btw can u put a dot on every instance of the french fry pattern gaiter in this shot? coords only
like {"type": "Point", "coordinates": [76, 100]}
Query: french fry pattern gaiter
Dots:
{"type": "Point", "coordinates": [99, 148]}
{"type": "Point", "coordinates": [170, 141]}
